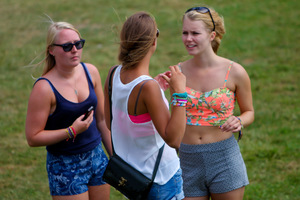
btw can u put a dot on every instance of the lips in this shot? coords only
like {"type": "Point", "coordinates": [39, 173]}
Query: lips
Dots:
{"type": "Point", "coordinates": [191, 46]}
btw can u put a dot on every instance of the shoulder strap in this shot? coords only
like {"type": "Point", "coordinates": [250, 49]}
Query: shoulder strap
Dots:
{"type": "Point", "coordinates": [157, 162]}
{"type": "Point", "coordinates": [227, 74]}
{"type": "Point", "coordinates": [110, 106]}
{"type": "Point", "coordinates": [137, 99]}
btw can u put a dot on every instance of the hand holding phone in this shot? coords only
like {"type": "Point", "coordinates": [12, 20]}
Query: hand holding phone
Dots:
{"type": "Point", "coordinates": [88, 112]}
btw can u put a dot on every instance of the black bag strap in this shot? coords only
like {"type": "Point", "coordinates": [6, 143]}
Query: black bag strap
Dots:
{"type": "Point", "coordinates": [110, 108]}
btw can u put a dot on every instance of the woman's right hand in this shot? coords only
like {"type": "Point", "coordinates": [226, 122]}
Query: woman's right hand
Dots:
{"type": "Point", "coordinates": [81, 126]}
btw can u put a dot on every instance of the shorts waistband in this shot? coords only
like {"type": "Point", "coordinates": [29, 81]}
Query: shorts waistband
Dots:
{"type": "Point", "coordinates": [211, 147]}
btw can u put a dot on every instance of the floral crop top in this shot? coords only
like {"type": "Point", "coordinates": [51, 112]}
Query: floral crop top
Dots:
{"type": "Point", "coordinates": [210, 108]}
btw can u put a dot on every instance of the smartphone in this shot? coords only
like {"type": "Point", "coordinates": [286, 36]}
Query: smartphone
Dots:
{"type": "Point", "coordinates": [88, 112]}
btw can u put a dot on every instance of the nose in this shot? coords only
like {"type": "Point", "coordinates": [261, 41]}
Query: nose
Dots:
{"type": "Point", "coordinates": [189, 37]}
{"type": "Point", "coordinates": [74, 48]}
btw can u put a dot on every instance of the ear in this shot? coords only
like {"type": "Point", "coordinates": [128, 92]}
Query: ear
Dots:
{"type": "Point", "coordinates": [50, 49]}
{"type": "Point", "coordinates": [213, 35]}
{"type": "Point", "coordinates": [155, 41]}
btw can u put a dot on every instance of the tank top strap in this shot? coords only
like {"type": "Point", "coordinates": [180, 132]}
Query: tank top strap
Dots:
{"type": "Point", "coordinates": [137, 99]}
{"type": "Point", "coordinates": [179, 65]}
{"type": "Point", "coordinates": [88, 75]}
{"type": "Point", "coordinates": [51, 85]}
{"type": "Point", "coordinates": [227, 74]}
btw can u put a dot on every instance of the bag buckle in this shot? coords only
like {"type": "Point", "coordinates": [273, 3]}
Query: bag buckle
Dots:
{"type": "Point", "coordinates": [122, 182]}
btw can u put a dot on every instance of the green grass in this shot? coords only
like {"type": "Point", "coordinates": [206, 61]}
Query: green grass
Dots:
{"type": "Point", "coordinates": [263, 36]}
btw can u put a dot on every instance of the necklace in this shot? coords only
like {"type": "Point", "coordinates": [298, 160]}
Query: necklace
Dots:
{"type": "Point", "coordinates": [75, 89]}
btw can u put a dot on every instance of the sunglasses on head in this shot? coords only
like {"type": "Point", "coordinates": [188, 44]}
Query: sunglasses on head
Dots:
{"type": "Point", "coordinates": [69, 46]}
{"type": "Point", "coordinates": [157, 33]}
{"type": "Point", "coordinates": [202, 10]}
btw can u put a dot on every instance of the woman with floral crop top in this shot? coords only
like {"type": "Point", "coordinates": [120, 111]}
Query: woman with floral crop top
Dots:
{"type": "Point", "coordinates": [210, 157]}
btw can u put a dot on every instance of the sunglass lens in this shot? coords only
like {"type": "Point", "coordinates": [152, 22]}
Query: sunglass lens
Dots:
{"type": "Point", "coordinates": [79, 44]}
{"type": "Point", "coordinates": [203, 10]}
{"type": "Point", "coordinates": [198, 9]}
{"type": "Point", "coordinates": [68, 47]}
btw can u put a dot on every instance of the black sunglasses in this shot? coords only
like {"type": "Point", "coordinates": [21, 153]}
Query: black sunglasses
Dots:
{"type": "Point", "coordinates": [69, 46]}
{"type": "Point", "coordinates": [202, 10]}
{"type": "Point", "coordinates": [157, 33]}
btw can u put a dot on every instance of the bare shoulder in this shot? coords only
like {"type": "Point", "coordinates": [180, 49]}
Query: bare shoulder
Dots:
{"type": "Point", "coordinates": [151, 86]}
{"type": "Point", "coordinates": [239, 75]}
{"type": "Point", "coordinates": [92, 68]}
{"type": "Point", "coordinates": [238, 71]}
{"type": "Point", "coordinates": [42, 88]}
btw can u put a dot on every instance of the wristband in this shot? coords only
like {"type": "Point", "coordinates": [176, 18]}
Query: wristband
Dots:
{"type": "Point", "coordinates": [240, 121]}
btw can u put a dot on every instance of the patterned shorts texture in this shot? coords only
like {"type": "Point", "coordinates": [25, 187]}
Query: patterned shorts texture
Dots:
{"type": "Point", "coordinates": [72, 174]}
{"type": "Point", "coordinates": [212, 168]}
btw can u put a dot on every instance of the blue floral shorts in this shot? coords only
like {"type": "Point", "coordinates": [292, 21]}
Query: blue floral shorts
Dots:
{"type": "Point", "coordinates": [172, 190]}
{"type": "Point", "coordinates": [72, 174]}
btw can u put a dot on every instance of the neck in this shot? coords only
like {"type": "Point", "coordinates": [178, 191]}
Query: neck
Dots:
{"type": "Point", "coordinates": [65, 72]}
{"type": "Point", "coordinates": [205, 60]}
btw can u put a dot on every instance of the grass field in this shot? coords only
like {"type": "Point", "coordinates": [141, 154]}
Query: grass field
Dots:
{"type": "Point", "coordinates": [261, 35]}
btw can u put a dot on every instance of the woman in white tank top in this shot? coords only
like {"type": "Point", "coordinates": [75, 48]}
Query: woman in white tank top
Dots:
{"type": "Point", "coordinates": [141, 121]}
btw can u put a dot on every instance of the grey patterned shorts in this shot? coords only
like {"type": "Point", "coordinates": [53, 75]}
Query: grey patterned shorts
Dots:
{"type": "Point", "coordinates": [212, 168]}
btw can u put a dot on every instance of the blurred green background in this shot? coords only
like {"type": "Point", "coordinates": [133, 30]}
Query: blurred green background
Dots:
{"type": "Point", "coordinates": [263, 36]}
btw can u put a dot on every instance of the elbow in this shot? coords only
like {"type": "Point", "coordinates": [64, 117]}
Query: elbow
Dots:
{"type": "Point", "coordinates": [31, 143]}
{"type": "Point", "coordinates": [174, 144]}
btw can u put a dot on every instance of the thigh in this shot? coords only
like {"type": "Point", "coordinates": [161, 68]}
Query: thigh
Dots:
{"type": "Point", "coordinates": [193, 171]}
{"type": "Point", "coordinates": [99, 163]}
{"type": "Point", "coordinates": [197, 198]}
{"type": "Point", "coordinates": [83, 196]}
{"type": "Point", "coordinates": [101, 192]}
{"type": "Point", "coordinates": [237, 194]}
{"type": "Point", "coordinates": [227, 171]}
{"type": "Point", "coordinates": [67, 175]}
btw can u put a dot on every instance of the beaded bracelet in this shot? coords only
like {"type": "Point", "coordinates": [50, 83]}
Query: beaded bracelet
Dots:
{"type": "Point", "coordinates": [183, 95]}
{"type": "Point", "coordinates": [74, 132]}
{"type": "Point", "coordinates": [240, 121]}
{"type": "Point", "coordinates": [179, 99]}
{"type": "Point", "coordinates": [240, 131]}
{"type": "Point", "coordinates": [71, 133]}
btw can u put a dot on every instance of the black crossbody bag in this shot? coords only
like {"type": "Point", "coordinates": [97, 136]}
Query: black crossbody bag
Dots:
{"type": "Point", "coordinates": [122, 176]}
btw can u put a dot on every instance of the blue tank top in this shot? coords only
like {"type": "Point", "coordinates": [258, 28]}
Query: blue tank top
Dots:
{"type": "Point", "coordinates": [65, 114]}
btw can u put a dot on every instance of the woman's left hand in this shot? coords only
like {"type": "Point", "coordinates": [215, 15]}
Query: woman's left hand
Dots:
{"type": "Point", "coordinates": [162, 81]}
{"type": "Point", "coordinates": [233, 124]}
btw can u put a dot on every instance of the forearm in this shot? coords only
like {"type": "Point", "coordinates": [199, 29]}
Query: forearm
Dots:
{"type": "Point", "coordinates": [47, 137]}
{"type": "Point", "coordinates": [176, 127]}
{"type": "Point", "coordinates": [247, 118]}
{"type": "Point", "coordinates": [106, 136]}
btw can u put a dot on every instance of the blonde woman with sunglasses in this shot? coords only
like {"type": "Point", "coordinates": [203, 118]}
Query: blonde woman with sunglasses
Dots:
{"type": "Point", "coordinates": [66, 114]}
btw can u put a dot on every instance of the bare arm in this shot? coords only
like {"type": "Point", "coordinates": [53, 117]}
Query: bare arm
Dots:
{"type": "Point", "coordinates": [99, 112]}
{"type": "Point", "coordinates": [244, 99]}
{"type": "Point", "coordinates": [171, 127]}
{"type": "Point", "coordinates": [37, 116]}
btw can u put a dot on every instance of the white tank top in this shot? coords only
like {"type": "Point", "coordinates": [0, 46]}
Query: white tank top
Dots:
{"type": "Point", "coordinates": [139, 143]}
